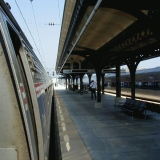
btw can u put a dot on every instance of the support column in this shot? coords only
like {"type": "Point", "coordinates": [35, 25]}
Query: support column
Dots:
{"type": "Point", "coordinates": [98, 62]}
{"type": "Point", "coordinates": [118, 81]}
{"type": "Point", "coordinates": [132, 64]}
{"type": "Point", "coordinates": [66, 82]}
{"type": "Point", "coordinates": [98, 75]}
{"type": "Point", "coordinates": [68, 77]}
{"type": "Point", "coordinates": [89, 77]}
{"type": "Point", "coordinates": [81, 83]}
{"type": "Point", "coordinates": [102, 75]}
{"type": "Point", "coordinates": [76, 81]}
{"type": "Point", "coordinates": [73, 79]}
{"type": "Point", "coordinates": [132, 74]}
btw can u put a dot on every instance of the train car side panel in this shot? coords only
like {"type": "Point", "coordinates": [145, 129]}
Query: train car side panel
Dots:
{"type": "Point", "coordinates": [25, 97]}
{"type": "Point", "coordinates": [24, 54]}
{"type": "Point", "coordinates": [12, 133]}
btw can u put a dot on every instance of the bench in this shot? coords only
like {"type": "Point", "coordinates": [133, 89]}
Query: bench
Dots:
{"type": "Point", "coordinates": [133, 106]}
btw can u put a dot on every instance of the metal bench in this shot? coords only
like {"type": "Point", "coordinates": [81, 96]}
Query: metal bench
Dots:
{"type": "Point", "coordinates": [133, 106]}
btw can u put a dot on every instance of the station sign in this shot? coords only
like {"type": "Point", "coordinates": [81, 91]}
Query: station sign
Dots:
{"type": "Point", "coordinates": [67, 71]}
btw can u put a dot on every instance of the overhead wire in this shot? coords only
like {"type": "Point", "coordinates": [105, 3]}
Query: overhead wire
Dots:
{"type": "Point", "coordinates": [29, 31]}
{"type": "Point", "coordinates": [38, 34]}
{"type": "Point", "coordinates": [59, 13]}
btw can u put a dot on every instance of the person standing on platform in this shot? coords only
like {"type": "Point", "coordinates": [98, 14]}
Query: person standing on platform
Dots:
{"type": "Point", "coordinates": [81, 88]}
{"type": "Point", "coordinates": [93, 89]}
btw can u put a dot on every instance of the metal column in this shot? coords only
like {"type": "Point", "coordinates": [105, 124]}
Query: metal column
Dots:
{"type": "Point", "coordinates": [118, 81]}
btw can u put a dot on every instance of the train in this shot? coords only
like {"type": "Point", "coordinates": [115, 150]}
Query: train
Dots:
{"type": "Point", "coordinates": [26, 92]}
{"type": "Point", "coordinates": [147, 84]}
{"type": "Point", "coordinates": [145, 79]}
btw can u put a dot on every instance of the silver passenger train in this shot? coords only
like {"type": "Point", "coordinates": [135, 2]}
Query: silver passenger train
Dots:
{"type": "Point", "coordinates": [147, 84]}
{"type": "Point", "coordinates": [25, 95]}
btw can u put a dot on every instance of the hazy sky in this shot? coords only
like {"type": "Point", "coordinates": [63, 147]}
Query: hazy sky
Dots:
{"type": "Point", "coordinates": [38, 14]}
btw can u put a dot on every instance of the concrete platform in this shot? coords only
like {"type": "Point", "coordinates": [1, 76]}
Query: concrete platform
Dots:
{"type": "Point", "coordinates": [102, 133]}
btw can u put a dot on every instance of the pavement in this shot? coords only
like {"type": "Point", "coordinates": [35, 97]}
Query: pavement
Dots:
{"type": "Point", "coordinates": [102, 133]}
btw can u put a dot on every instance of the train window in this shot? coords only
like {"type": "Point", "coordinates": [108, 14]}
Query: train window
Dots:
{"type": "Point", "coordinates": [150, 84]}
{"type": "Point", "coordinates": [144, 84]}
{"type": "Point", "coordinates": [127, 84]}
{"type": "Point", "coordinates": [113, 84]}
{"type": "Point", "coordinates": [105, 83]}
{"type": "Point", "coordinates": [31, 63]}
{"type": "Point", "coordinates": [109, 84]}
{"type": "Point", "coordinates": [136, 84]}
{"type": "Point", "coordinates": [157, 85]}
{"type": "Point", "coordinates": [122, 84]}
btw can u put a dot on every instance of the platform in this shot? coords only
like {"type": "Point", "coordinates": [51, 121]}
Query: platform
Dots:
{"type": "Point", "coordinates": [102, 133]}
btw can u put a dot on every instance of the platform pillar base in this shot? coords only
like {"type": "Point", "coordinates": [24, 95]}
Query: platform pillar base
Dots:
{"type": "Point", "coordinates": [98, 105]}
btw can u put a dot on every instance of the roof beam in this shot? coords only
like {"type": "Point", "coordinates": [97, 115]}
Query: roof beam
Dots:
{"type": "Point", "coordinates": [149, 4]}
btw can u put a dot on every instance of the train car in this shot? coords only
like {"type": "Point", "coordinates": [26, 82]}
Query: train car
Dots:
{"type": "Point", "coordinates": [147, 84]}
{"type": "Point", "coordinates": [25, 95]}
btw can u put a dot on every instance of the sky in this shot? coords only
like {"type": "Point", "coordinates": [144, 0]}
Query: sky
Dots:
{"type": "Point", "coordinates": [34, 16]}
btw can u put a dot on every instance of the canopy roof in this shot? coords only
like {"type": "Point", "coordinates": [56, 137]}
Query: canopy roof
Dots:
{"type": "Point", "coordinates": [109, 30]}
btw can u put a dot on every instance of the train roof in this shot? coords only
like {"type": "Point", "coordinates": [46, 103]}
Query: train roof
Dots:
{"type": "Point", "coordinates": [150, 75]}
{"type": "Point", "coordinates": [144, 71]}
{"type": "Point", "coordinates": [157, 69]}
